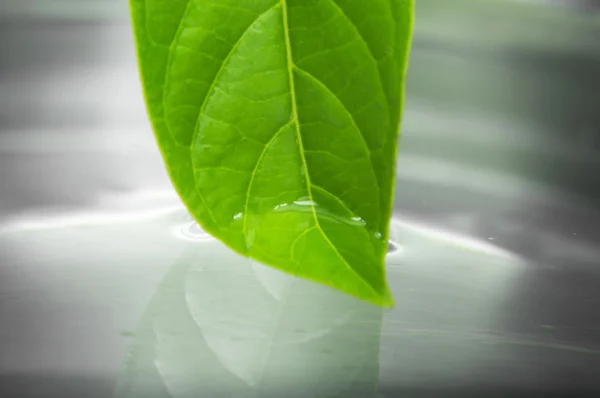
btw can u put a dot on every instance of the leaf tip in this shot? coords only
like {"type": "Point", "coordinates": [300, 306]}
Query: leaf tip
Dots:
{"type": "Point", "coordinates": [387, 299]}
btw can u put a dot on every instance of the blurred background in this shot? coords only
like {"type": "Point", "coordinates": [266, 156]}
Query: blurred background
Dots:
{"type": "Point", "coordinates": [517, 76]}
{"type": "Point", "coordinates": [500, 145]}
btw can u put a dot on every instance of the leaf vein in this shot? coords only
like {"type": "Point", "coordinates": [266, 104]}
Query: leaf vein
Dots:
{"type": "Point", "coordinates": [258, 163]}
{"type": "Point", "coordinates": [338, 99]}
{"type": "Point", "coordinates": [301, 145]}
{"type": "Point", "coordinates": [366, 43]}
{"type": "Point", "coordinates": [221, 69]}
{"type": "Point", "coordinates": [337, 199]}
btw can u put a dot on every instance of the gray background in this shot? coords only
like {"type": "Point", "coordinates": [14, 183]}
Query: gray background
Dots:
{"type": "Point", "coordinates": [497, 215]}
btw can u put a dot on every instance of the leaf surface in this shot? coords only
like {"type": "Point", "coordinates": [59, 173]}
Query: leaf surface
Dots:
{"type": "Point", "coordinates": [278, 123]}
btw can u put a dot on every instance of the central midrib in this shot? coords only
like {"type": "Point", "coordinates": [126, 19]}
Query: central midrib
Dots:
{"type": "Point", "coordinates": [290, 66]}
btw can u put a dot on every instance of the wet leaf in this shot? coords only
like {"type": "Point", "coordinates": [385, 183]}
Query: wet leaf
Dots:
{"type": "Point", "coordinates": [278, 123]}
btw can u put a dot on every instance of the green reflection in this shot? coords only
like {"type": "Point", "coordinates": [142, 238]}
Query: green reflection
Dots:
{"type": "Point", "coordinates": [222, 326]}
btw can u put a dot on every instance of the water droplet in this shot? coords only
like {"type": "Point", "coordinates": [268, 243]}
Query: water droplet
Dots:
{"type": "Point", "coordinates": [392, 247]}
{"type": "Point", "coordinates": [280, 207]}
{"type": "Point", "coordinates": [304, 202]}
{"type": "Point", "coordinates": [358, 221]}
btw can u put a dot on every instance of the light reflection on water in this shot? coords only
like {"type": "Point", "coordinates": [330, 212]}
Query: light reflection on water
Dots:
{"type": "Point", "coordinates": [153, 204]}
{"type": "Point", "coordinates": [227, 332]}
{"type": "Point", "coordinates": [193, 232]}
{"type": "Point", "coordinates": [148, 205]}
{"type": "Point", "coordinates": [220, 321]}
{"type": "Point", "coordinates": [231, 327]}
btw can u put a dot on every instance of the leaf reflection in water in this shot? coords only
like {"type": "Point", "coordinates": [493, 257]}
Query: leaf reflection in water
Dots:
{"type": "Point", "coordinates": [220, 325]}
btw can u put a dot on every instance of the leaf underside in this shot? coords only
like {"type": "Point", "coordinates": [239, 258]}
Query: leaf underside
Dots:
{"type": "Point", "coordinates": [278, 123]}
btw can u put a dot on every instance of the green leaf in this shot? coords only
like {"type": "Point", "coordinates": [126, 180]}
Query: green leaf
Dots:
{"type": "Point", "coordinates": [278, 123]}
